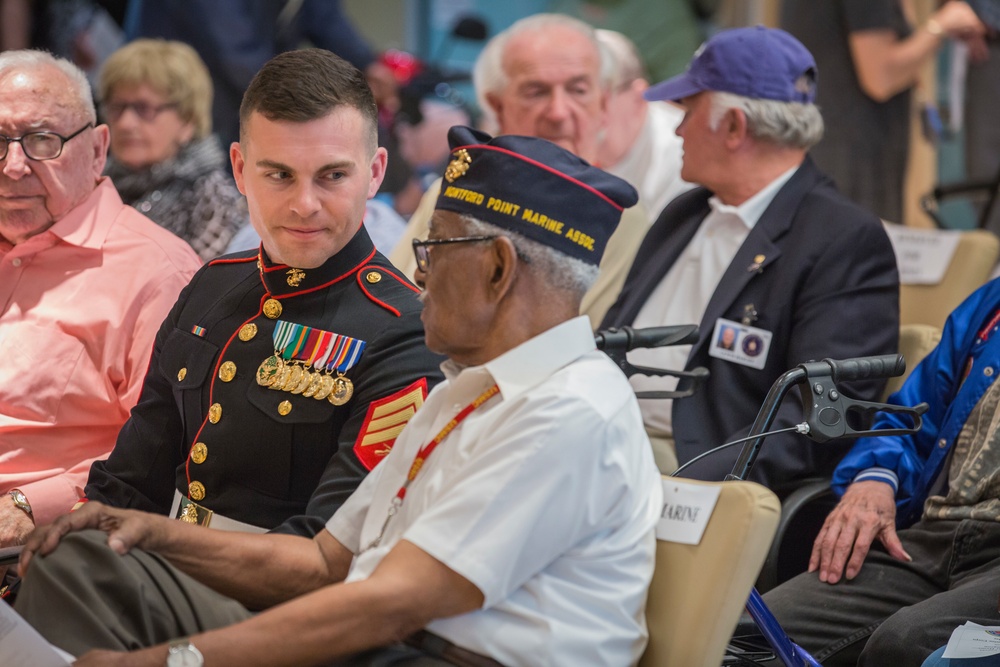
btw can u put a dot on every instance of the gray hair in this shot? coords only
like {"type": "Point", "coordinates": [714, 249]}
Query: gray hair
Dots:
{"type": "Point", "coordinates": [791, 124]}
{"type": "Point", "coordinates": [33, 59]}
{"type": "Point", "coordinates": [626, 63]}
{"type": "Point", "coordinates": [562, 272]}
{"type": "Point", "coordinates": [488, 75]}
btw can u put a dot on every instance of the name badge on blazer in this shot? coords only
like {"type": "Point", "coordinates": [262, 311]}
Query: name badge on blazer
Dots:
{"type": "Point", "coordinates": [740, 343]}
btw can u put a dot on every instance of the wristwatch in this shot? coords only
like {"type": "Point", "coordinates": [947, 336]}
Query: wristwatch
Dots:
{"type": "Point", "coordinates": [21, 501]}
{"type": "Point", "coordinates": [182, 653]}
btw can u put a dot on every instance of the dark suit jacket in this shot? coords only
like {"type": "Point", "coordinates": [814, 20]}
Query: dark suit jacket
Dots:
{"type": "Point", "coordinates": [827, 287]}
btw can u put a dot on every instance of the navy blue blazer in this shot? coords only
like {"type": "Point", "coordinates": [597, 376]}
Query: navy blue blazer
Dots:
{"type": "Point", "coordinates": [827, 287]}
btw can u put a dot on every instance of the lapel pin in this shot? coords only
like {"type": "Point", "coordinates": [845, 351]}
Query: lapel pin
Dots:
{"type": "Point", "coordinates": [758, 260]}
{"type": "Point", "coordinates": [749, 314]}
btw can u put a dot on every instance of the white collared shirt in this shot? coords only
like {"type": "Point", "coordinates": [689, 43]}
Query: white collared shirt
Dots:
{"type": "Point", "coordinates": [683, 294]}
{"type": "Point", "coordinates": [545, 498]}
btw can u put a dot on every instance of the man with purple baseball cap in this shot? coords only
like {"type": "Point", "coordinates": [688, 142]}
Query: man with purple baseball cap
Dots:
{"type": "Point", "coordinates": [766, 247]}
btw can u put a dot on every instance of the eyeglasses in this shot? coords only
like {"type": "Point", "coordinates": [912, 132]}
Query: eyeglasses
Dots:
{"type": "Point", "coordinates": [39, 145]}
{"type": "Point", "coordinates": [147, 112]}
{"type": "Point", "coordinates": [422, 249]}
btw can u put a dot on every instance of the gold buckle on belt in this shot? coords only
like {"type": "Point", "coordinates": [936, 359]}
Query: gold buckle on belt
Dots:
{"type": "Point", "coordinates": [192, 512]}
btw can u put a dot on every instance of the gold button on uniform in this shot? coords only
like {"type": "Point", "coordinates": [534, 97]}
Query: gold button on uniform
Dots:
{"type": "Point", "coordinates": [272, 309]}
{"type": "Point", "coordinates": [215, 413]}
{"type": "Point", "coordinates": [199, 452]}
{"type": "Point", "coordinates": [196, 490]}
{"type": "Point", "coordinates": [248, 331]}
{"type": "Point", "coordinates": [284, 408]}
{"type": "Point", "coordinates": [227, 371]}
{"type": "Point", "coordinates": [373, 277]}
{"type": "Point", "coordinates": [181, 374]}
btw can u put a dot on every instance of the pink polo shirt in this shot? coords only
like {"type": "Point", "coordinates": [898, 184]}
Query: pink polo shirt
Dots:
{"type": "Point", "coordinates": [80, 305]}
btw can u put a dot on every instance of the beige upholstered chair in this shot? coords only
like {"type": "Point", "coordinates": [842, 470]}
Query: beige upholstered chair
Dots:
{"type": "Point", "coordinates": [915, 342]}
{"type": "Point", "coordinates": [971, 266]}
{"type": "Point", "coordinates": [699, 591]}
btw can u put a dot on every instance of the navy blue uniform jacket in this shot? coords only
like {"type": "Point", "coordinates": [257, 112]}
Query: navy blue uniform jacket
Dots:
{"type": "Point", "coordinates": [287, 472]}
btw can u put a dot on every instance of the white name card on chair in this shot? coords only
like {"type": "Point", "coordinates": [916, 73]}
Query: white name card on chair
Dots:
{"type": "Point", "coordinates": [686, 510]}
{"type": "Point", "coordinates": [922, 255]}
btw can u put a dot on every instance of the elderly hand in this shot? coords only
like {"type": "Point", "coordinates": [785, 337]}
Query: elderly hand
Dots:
{"type": "Point", "coordinates": [125, 529]}
{"type": "Point", "coordinates": [867, 511]}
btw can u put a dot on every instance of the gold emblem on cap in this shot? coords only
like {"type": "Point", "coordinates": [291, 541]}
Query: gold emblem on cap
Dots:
{"type": "Point", "coordinates": [373, 277]}
{"type": "Point", "coordinates": [458, 165]}
{"type": "Point", "coordinates": [295, 277]}
{"type": "Point", "coordinates": [248, 331]}
{"type": "Point", "coordinates": [199, 452]}
{"type": "Point", "coordinates": [272, 309]}
{"type": "Point", "coordinates": [227, 371]}
{"type": "Point", "coordinates": [181, 374]}
{"type": "Point", "coordinates": [196, 490]}
{"type": "Point", "coordinates": [284, 408]}
{"type": "Point", "coordinates": [215, 413]}
{"type": "Point", "coordinates": [343, 389]}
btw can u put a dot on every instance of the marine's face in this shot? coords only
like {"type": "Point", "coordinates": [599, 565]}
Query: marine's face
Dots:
{"type": "Point", "coordinates": [307, 183]}
{"type": "Point", "coordinates": [143, 139]}
{"type": "Point", "coordinates": [553, 90]}
{"type": "Point", "coordinates": [35, 194]}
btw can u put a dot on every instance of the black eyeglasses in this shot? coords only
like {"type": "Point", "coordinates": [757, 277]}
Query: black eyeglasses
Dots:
{"type": "Point", "coordinates": [39, 145]}
{"type": "Point", "coordinates": [147, 112]}
{"type": "Point", "coordinates": [422, 249]}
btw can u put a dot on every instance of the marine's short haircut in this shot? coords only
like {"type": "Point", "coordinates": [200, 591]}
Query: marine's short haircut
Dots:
{"type": "Point", "coordinates": [307, 84]}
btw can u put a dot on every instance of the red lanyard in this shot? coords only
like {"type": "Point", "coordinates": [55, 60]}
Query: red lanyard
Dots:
{"type": "Point", "coordinates": [424, 453]}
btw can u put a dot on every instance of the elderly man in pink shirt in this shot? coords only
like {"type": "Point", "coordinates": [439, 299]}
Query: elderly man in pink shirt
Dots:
{"type": "Point", "coordinates": [85, 282]}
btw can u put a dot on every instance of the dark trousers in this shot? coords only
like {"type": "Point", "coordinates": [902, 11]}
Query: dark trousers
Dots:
{"type": "Point", "coordinates": [896, 613]}
{"type": "Point", "coordinates": [84, 596]}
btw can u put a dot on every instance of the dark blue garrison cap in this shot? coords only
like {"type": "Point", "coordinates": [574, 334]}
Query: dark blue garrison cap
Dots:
{"type": "Point", "coordinates": [535, 188]}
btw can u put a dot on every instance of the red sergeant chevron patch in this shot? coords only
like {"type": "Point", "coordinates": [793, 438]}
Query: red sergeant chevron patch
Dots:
{"type": "Point", "coordinates": [385, 419]}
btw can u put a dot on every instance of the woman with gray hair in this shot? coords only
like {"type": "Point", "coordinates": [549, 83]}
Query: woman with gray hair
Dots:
{"type": "Point", "coordinates": [157, 99]}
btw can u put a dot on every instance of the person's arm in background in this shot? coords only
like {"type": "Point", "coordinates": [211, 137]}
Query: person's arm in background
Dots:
{"type": "Point", "coordinates": [886, 65]}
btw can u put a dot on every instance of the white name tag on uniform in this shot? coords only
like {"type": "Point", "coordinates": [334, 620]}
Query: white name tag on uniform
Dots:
{"type": "Point", "coordinates": [686, 510]}
{"type": "Point", "coordinates": [740, 343]}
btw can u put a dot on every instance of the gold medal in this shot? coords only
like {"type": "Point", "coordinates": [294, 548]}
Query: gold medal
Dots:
{"type": "Point", "coordinates": [314, 384]}
{"type": "Point", "coordinates": [281, 378]}
{"type": "Point", "coordinates": [189, 514]}
{"type": "Point", "coordinates": [227, 371]}
{"type": "Point", "coordinates": [343, 389]}
{"type": "Point", "coordinates": [196, 490]}
{"type": "Point", "coordinates": [199, 452]}
{"type": "Point", "coordinates": [292, 381]}
{"type": "Point", "coordinates": [268, 370]}
{"type": "Point", "coordinates": [304, 382]}
{"type": "Point", "coordinates": [272, 309]}
{"type": "Point", "coordinates": [248, 331]}
{"type": "Point", "coordinates": [215, 413]}
{"type": "Point", "coordinates": [284, 408]}
{"type": "Point", "coordinates": [325, 387]}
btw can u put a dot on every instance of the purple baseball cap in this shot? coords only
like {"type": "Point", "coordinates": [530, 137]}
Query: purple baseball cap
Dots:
{"type": "Point", "coordinates": [760, 63]}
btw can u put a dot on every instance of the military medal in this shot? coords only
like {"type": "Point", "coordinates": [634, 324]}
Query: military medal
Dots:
{"type": "Point", "coordinates": [300, 349]}
{"type": "Point", "coordinates": [343, 389]}
{"type": "Point", "coordinates": [268, 370]}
